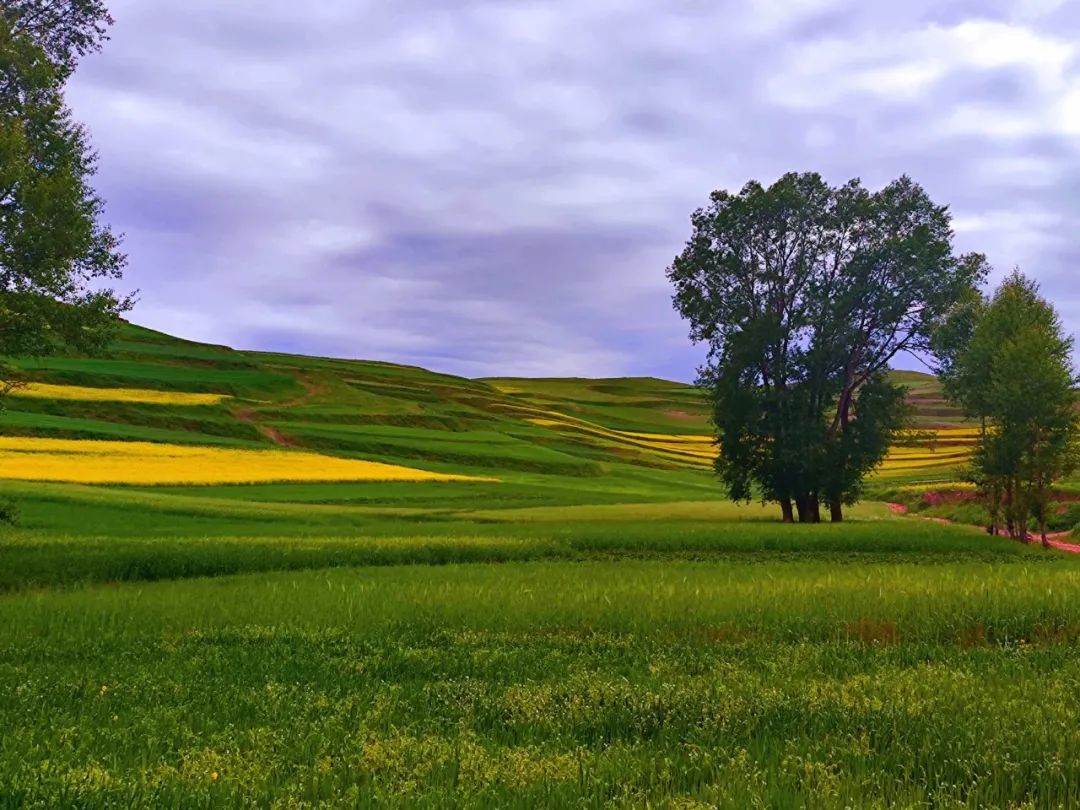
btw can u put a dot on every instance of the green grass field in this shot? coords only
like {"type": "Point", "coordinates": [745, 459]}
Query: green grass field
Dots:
{"type": "Point", "coordinates": [591, 625]}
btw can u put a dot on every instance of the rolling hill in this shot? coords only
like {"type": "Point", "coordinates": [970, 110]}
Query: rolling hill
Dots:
{"type": "Point", "coordinates": [576, 435]}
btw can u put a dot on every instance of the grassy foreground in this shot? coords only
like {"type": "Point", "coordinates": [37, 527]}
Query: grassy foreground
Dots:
{"type": "Point", "coordinates": [601, 661]}
{"type": "Point", "coordinates": [571, 617]}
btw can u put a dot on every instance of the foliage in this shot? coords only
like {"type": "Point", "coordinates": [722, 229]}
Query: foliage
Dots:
{"type": "Point", "coordinates": [65, 30]}
{"type": "Point", "coordinates": [54, 252]}
{"type": "Point", "coordinates": [804, 293]}
{"type": "Point", "coordinates": [879, 408]}
{"type": "Point", "coordinates": [1009, 364]}
{"type": "Point", "coordinates": [9, 512]}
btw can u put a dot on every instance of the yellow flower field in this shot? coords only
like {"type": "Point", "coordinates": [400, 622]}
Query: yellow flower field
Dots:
{"type": "Point", "coordinates": [103, 462]}
{"type": "Point", "coordinates": [689, 448]}
{"type": "Point", "coordinates": [139, 395]}
{"type": "Point", "coordinates": [936, 449]}
{"type": "Point", "coordinates": [938, 486]}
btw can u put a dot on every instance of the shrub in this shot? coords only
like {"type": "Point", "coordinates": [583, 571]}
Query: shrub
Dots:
{"type": "Point", "coordinates": [9, 512]}
{"type": "Point", "coordinates": [1064, 518]}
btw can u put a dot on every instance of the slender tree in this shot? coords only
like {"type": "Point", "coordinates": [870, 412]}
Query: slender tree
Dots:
{"type": "Point", "coordinates": [56, 258]}
{"type": "Point", "coordinates": [1007, 362]}
{"type": "Point", "coordinates": [804, 293]}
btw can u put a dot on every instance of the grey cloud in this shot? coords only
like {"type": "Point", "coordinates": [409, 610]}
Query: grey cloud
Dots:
{"type": "Point", "coordinates": [496, 187]}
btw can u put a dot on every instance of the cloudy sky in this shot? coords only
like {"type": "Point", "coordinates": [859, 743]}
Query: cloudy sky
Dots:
{"type": "Point", "coordinates": [496, 186]}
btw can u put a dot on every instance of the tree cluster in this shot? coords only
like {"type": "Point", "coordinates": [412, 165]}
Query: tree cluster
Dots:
{"type": "Point", "coordinates": [1007, 361]}
{"type": "Point", "coordinates": [56, 257]}
{"type": "Point", "coordinates": [804, 293]}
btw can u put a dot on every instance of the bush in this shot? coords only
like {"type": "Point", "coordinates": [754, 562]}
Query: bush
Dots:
{"type": "Point", "coordinates": [9, 512]}
{"type": "Point", "coordinates": [1064, 518]}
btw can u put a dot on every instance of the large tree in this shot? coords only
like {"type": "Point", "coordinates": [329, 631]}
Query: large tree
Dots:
{"type": "Point", "coordinates": [1007, 361]}
{"type": "Point", "coordinates": [56, 256]}
{"type": "Point", "coordinates": [804, 293]}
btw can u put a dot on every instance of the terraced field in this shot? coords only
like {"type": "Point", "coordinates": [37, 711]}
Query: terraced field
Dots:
{"type": "Point", "coordinates": [242, 579]}
{"type": "Point", "coordinates": [154, 388]}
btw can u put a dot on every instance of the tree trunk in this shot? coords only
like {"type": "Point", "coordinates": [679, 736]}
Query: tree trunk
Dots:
{"type": "Point", "coordinates": [836, 509]}
{"type": "Point", "coordinates": [802, 506]}
{"type": "Point", "coordinates": [785, 508]}
{"type": "Point", "coordinates": [813, 508]}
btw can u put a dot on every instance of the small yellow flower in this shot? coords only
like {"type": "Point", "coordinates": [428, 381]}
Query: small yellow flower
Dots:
{"type": "Point", "coordinates": [104, 689]}
{"type": "Point", "coordinates": [213, 776]}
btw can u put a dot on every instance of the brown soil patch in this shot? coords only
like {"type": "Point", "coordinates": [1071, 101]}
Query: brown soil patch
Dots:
{"type": "Point", "coordinates": [973, 636]}
{"type": "Point", "coordinates": [1054, 635]}
{"type": "Point", "coordinates": [873, 632]}
{"type": "Point", "coordinates": [682, 415]}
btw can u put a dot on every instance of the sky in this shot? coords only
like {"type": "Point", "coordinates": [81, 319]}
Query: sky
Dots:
{"type": "Point", "coordinates": [496, 187]}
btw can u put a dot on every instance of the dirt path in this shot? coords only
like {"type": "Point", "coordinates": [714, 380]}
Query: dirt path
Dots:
{"type": "Point", "coordinates": [272, 433]}
{"type": "Point", "coordinates": [312, 389]}
{"type": "Point", "coordinates": [1055, 540]}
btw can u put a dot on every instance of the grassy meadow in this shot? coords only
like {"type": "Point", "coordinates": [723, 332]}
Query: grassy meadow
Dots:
{"type": "Point", "coordinates": [308, 582]}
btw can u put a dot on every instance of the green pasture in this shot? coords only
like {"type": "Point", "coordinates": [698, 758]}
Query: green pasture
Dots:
{"type": "Point", "coordinates": [723, 664]}
{"type": "Point", "coordinates": [594, 626]}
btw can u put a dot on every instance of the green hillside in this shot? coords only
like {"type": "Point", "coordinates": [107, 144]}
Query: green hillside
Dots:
{"type": "Point", "coordinates": [552, 443]}
{"type": "Point", "coordinates": [381, 411]}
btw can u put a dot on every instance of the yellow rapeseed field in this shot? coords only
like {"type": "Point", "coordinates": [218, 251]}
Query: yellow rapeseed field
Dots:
{"type": "Point", "coordinates": [938, 486]}
{"type": "Point", "coordinates": [103, 462]}
{"type": "Point", "coordinates": [690, 448]}
{"type": "Point", "coordinates": [140, 395]}
{"type": "Point", "coordinates": [935, 449]}
{"type": "Point", "coordinates": [680, 438]}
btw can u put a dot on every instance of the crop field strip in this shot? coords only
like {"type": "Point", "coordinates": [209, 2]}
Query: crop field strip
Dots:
{"type": "Point", "coordinates": [141, 395]}
{"type": "Point", "coordinates": [99, 462]}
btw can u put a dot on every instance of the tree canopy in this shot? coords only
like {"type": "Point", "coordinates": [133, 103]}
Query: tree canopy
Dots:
{"type": "Point", "coordinates": [64, 30]}
{"type": "Point", "coordinates": [56, 256]}
{"type": "Point", "coordinates": [804, 293]}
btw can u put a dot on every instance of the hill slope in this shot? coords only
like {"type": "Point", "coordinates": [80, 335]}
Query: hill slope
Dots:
{"type": "Point", "coordinates": [368, 409]}
{"type": "Point", "coordinates": [642, 436]}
